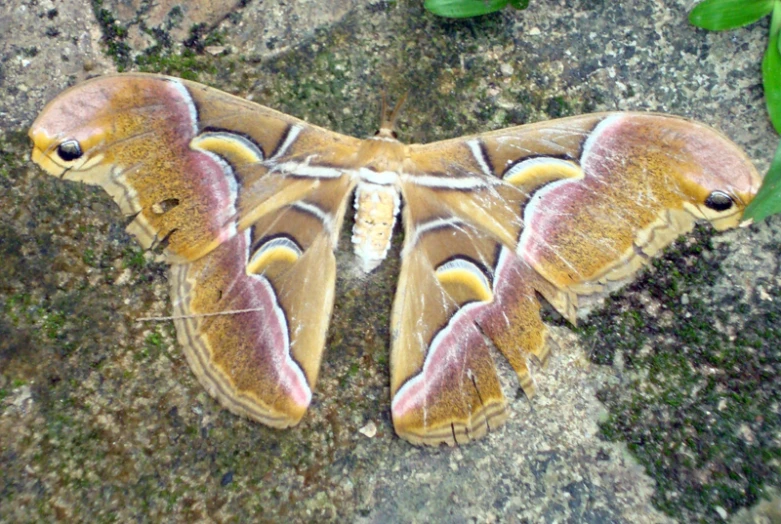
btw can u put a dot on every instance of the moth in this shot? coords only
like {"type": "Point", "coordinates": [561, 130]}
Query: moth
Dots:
{"type": "Point", "coordinates": [247, 203]}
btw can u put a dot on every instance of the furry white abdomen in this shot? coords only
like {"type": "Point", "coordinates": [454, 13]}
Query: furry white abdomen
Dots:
{"type": "Point", "coordinates": [376, 207]}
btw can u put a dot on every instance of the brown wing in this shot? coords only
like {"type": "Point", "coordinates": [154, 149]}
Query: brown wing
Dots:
{"type": "Point", "coordinates": [246, 202]}
{"type": "Point", "coordinates": [567, 209]}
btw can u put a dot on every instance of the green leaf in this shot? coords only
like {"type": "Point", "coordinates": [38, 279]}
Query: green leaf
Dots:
{"type": "Point", "coordinates": [464, 8]}
{"type": "Point", "coordinates": [768, 200]}
{"type": "Point", "coordinates": [718, 15]}
{"type": "Point", "coordinates": [519, 4]}
{"type": "Point", "coordinates": [771, 70]}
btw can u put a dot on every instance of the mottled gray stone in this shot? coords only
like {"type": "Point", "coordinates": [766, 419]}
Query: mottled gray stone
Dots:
{"type": "Point", "coordinates": [45, 46]}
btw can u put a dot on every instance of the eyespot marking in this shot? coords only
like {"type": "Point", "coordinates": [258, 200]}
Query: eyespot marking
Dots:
{"type": "Point", "coordinates": [69, 150]}
{"type": "Point", "coordinates": [237, 149]}
{"type": "Point", "coordinates": [719, 201]}
{"type": "Point", "coordinates": [464, 281]}
{"type": "Point", "coordinates": [274, 255]}
{"type": "Point", "coordinates": [541, 170]}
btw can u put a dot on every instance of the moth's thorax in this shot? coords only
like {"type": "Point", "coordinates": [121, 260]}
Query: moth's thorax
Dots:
{"type": "Point", "coordinates": [381, 153]}
{"type": "Point", "coordinates": [377, 198]}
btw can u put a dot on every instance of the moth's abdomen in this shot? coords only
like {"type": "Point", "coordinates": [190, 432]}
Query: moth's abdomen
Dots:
{"type": "Point", "coordinates": [376, 207]}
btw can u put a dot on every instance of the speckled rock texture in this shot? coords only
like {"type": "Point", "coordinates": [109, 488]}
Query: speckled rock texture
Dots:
{"type": "Point", "coordinates": [662, 406]}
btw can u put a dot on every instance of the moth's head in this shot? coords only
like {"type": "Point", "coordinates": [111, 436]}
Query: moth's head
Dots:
{"type": "Point", "coordinates": [69, 134]}
{"type": "Point", "coordinates": [722, 186]}
{"type": "Point", "coordinates": [80, 129]}
{"type": "Point", "coordinates": [62, 155]}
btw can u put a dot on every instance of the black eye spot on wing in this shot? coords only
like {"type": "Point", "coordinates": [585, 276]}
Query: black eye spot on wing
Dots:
{"type": "Point", "coordinates": [719, 201]}
{"type": "Point", "coordinates": [69, 150]}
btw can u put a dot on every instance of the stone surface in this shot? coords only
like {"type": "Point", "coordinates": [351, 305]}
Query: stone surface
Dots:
{"type": "Point", "coordinates": [45, 47]}
{"type": "Point", "coordinates": [175, 17]}
{"type": "Point", "coordinates": [100, 416]}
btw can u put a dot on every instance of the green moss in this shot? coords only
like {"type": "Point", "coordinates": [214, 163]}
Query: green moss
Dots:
{"type": "Point", "coordinates": [89, 257]}
{"type": "Point", "coordinates": [154, 346]}
{"type": "Point", "coordinates": [186, 65]}
{"type": "Point", "coordinates": [11, 162]}
{"type": "Point", "coordinates": [352, 371]}
{"type": "Point", "coordinates": [160, 57]}
{"type": "Point", "coordinates": [212, 38]}
{"type": "Point", "coordinates": [52, 324]}
{"type": "Point", "coordinates": [114, 35]}
{"type": "Point", "coordinates": [699, 411]}
{"type": "Point", "coordinates": [200, 38]}
{"type": "Point", "coordinates": [133, 257]}
{"type": "Point", "coordinates": [558, 107]}
{"type": "Point", "coordinates": [16, 306]}
{"type": "Point", "coordinates": [175, 16]}
{"type": "Point", "coordinates": [154, 340]}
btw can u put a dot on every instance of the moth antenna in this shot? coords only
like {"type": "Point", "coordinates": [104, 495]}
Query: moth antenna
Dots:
{"type": "Point", "coordinates": [388, 120]}
{"type": "Point", "coordinates": [397, 110]}
{"type": "Point", "coordinates": [383, 110]}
